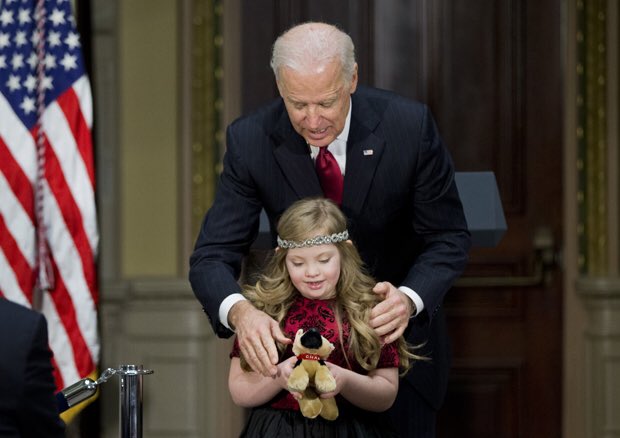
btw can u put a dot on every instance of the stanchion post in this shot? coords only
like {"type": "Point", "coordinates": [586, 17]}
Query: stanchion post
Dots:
{"type": "Point", "coordinates": [130, 403]}
{"type": "Point", "coordinates": [131, 400]}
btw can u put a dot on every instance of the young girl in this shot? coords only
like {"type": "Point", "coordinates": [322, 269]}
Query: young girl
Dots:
{"type": "Point", "coordinates": [316, 279]}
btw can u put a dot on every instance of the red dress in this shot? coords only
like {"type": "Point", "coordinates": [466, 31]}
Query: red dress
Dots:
{"type": "Point", "coordinates": [306, 314]}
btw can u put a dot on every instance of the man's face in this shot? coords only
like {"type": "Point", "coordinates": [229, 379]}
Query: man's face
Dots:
{"type": "Point", "coordinates": [317, 103]}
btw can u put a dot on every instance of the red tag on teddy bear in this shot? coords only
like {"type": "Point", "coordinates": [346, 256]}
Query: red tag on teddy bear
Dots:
{"type": "Point", "coordinates": [308, 356]}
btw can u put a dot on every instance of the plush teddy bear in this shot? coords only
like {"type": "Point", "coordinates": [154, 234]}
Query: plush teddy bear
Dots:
{"type": "Point", "coordinates": [311, 376]}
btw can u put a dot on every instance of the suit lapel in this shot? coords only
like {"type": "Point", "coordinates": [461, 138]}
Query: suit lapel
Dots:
{"type": "Point", "coordinates": [364, 150]}
{"type": "Point", "coordinates": [293, 157]}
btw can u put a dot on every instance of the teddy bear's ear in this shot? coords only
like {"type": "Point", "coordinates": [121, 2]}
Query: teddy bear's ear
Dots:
{"type": "Point", "coordinates": [297, 348]}
{"type": "Point", "coordinates": [298, 336]}
{"type": "Point", "coordinates": [327, 344]}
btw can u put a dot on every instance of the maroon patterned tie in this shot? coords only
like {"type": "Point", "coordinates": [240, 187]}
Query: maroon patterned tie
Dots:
{"type": "Point", "coordinates": [330, 176]}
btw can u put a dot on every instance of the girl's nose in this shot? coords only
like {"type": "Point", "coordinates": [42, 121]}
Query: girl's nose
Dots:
{"type": "Point", "coordinates": [312, 271]}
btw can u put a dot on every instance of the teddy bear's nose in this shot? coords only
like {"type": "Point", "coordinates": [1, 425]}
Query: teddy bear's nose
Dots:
{"type": "Point", "coordinates": [311, 339]}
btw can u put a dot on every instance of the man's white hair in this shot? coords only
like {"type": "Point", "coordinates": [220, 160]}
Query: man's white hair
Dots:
{"type": "Point", "coordinates": [310, 46]}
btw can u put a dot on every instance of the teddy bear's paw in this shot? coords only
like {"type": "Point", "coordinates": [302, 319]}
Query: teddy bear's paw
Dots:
{"type": "Point", "coordinates": [298, 380]}
{"type": "Point", "coordinates": [330, 409]}
{"type": "Point", "coordinates": [324, 380]}
{"type": "Point", "coordinates": [310, 405]}
{"type": "Point", "coordinates": [298, 385]}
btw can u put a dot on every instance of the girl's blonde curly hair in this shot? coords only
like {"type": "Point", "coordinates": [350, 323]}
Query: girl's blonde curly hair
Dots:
{"type": "Point", "coordinates": [274, 292]}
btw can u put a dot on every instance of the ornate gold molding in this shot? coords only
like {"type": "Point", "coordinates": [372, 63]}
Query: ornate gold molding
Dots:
{"type": "Point", "coordinates": [592, 195]}
{"type": "Point", "coordinates": [206, 106]}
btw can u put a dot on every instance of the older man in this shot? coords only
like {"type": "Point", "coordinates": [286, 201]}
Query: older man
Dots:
{"type": "Point", "coordinates": [394, 179]}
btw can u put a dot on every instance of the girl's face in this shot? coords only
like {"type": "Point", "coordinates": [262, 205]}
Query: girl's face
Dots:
{"type": "Point", "coordinates": [314, 270]}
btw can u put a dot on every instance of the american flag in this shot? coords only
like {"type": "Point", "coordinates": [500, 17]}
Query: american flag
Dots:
{"type": "Point", "coordinates": [47, 179]}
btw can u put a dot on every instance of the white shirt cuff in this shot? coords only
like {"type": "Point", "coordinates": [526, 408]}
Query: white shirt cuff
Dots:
{"type": "Point", "coordinates": [417, 301]}
{"type": "Point", "coordinates": [226, 305]}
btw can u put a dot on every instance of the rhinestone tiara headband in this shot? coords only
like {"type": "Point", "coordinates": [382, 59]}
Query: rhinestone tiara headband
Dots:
{"type": "Point", "coordinates": [318, 240]}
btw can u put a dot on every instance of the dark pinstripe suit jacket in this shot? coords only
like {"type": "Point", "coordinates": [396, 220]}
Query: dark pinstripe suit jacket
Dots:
{"type": "Point", "coordinates": [27, 404]}
{"type": "Point", "coordinates": [400, 198]}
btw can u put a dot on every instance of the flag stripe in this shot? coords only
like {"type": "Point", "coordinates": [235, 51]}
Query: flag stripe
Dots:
{"type": "Point", "coordinates": [9, 285]}
{"type": "Point", "coordinates": [18, 140]}
{"type": "Point", "coordinates": [22, 270]}
{"type": "Point", "coordinates": [65, 306]}
{"type": "Point", "coordinates": [17, 221]}
{"type": "Point", "coordinates": [71, 216]}
{"type": "Point", "coordinates": [16, 180]}
{"type": "Point", "coordinates": [73, 169]}
{"type": "Point", "coordinates": [70, 105]}
{"type": "Point", "coordinates": [81, 88]}
{"type": "Point", "coordinates": [60, 345]}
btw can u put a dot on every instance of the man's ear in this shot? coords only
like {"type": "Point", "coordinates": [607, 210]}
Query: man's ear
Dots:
{"type": "Point", "coordinates": [353, 86]}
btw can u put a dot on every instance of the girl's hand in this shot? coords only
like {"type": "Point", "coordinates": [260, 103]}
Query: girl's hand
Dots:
{"type": "Point", "coordinates": [375, 391]}
{"type": "Point", "coordinates": [285, 368]}
{"type": "Point", "coordinates": [340, 375]}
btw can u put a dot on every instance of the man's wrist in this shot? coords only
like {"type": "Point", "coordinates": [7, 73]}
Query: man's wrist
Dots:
{"type": "Point", "coordinates": [414, 309]}
{"type": "Point", "coordinates": [226, 307]}
{"type": "Point", "coordinates": [417, 305]}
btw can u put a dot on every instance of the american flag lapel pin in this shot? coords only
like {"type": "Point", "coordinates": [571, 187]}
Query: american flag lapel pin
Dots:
{"type": "Point", "coordinates": [368, 152]}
